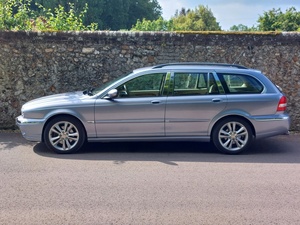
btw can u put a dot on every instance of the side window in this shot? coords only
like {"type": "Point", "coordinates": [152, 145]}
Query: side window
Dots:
{"type": "Point", "coordinates": [194, 84]}
{"type": "Point", "coordinates": [148, 85]}
{"type": "Point", "coordinates": [242, 84]}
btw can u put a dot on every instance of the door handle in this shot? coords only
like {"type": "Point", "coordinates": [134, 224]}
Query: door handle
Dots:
{"type": "Point", "coordinates": [155, 102]}
{"type": "Point", "coordinates": [216, 100]}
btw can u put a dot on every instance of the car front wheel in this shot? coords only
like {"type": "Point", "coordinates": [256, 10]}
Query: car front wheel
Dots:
{"type": "Point", "coordinates": [64, 135]}
{"type": "Point", "coordinates": [232, 135]}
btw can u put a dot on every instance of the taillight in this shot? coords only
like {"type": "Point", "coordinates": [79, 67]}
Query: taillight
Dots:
{"type": "Point", "coordinates": [282, 104]}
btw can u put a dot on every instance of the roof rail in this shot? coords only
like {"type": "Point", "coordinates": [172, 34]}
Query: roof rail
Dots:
{"type": "Point", "coordinates": [199, 64]}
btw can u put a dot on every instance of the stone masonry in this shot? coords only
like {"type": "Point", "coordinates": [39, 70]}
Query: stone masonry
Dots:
{"type": "Point", "coordinates": [35, 64]}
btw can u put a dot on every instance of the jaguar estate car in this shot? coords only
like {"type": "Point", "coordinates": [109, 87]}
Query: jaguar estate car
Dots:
{"type": "Point", "coordinates": [227, 104]}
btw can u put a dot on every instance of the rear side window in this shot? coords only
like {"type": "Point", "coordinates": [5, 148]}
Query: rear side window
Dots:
{"type": "Point", "coordinates": [241, 84]}
{"type": "Point", "coordinates": [194, 84]}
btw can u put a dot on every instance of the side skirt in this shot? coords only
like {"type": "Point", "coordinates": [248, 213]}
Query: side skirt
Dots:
{"type": "Point", "coordinates": [129, 139]}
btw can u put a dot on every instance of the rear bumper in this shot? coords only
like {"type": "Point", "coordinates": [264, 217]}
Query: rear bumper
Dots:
{"type": "Point", "coordinates": [268, 126]}
{"type": "Point", "coordinates": [31, 129]}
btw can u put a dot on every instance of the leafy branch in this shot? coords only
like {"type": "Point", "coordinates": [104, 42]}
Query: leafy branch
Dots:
{"type": "Point", "coordinates": [17, 15]}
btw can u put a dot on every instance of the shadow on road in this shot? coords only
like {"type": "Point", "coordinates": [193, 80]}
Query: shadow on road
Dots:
{"type": "Point", "coordinates": [281, 149]}
{"type": "Point", "coordinates": [10, 140]}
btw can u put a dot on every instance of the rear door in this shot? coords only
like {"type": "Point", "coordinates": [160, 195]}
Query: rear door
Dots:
{"type": "Point", "coordinates": [194, 100]}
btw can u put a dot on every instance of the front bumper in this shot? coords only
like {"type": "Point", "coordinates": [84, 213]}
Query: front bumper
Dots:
{"type": "Point", "coordinates": [31, 129]}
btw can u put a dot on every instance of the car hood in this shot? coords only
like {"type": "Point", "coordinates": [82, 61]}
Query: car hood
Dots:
{"type": "Point", "coordinates": [65, 99]}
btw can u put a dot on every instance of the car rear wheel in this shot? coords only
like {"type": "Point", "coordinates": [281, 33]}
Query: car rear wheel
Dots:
{"type": "Point", "coordinates": [232, 135]}
{"type": "Point", "coordinates": [64, 135]}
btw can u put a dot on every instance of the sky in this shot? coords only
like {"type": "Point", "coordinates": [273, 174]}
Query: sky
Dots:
{"type": "Point", "coordinates": [230, 12]}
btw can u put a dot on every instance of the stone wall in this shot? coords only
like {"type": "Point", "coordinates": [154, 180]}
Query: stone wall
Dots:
{"type": "Point", "coordinates": [34, 64]}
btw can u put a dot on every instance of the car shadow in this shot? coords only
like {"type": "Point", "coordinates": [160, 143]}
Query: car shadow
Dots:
{"type": "Point", "coordinates": [11, 139]}
{"type": "Point", "coordinates": [280, 149]}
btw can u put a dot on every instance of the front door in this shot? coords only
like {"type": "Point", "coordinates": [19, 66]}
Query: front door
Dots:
{"type": "Point", "coordinates": [138, 110]}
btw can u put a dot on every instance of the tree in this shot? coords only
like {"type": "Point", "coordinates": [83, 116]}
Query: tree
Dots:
{"type": "Point", "coordinates": [276, 20]}
{"type": "Point", "coordinates": [140, 9]}
{"type": "Point", "coordinates": [200, 19]}
{"type": "Point", "coordinates": [153, 25]}
{"type": "Point", "coordinates": [61, 20]}
{"type": "Point", "coordinates": [182, 12]}
{"type": "Point", "coordinates": [111, 14]}
{"type": "Point", "coordinates": [242, 27]}
{"type": "Point", "coordinates": [14, 15]}
{"type": "Point", "coordinates": [18, 15]}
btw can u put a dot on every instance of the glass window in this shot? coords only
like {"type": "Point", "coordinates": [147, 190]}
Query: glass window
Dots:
{"type": "Point", "coordinates": [242, 84]}
{"type": "Point", "coordinates": [194, 84]}
{"type": "Point", "coordinates": [148, 85]}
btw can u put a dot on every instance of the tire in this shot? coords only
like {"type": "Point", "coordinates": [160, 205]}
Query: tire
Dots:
{"type": "Point", "coordinates": [64, 134]}
{"type": "Point", "coordinates": [232, 135]}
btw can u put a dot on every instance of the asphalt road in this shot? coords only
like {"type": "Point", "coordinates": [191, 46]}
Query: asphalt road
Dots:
{"type": "Point", "coordinates": [150, 183]}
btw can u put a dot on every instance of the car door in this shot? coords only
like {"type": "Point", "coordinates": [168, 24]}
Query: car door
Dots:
{"type": "Point", "coordinates": [195, 99]}
{"type": "Point", "coordinates": [138, 110]}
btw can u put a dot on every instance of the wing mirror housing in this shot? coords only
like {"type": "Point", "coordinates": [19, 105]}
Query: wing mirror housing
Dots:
{"type": "Point", "coordinates": [113, 93]}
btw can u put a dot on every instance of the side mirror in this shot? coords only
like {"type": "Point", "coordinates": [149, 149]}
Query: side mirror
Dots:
{"type": "Point", "coordinates": [111, 94]}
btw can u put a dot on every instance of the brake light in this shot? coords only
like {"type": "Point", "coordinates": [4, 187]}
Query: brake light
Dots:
{"type": "Point", "coordinates": [282, 104]}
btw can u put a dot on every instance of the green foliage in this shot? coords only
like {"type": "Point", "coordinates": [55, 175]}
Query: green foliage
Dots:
{"type": "Point", "coordinates": [10, 20]}
{"type": "Point", "coordinates": [137, 15]}
{"type": "Point", "coordinates": [18, 15]}
{"type": "Point", "coordinates": [276, 20]}
{"type": "Point", "coordinates": [200, 19]}
{"type": "Point", "coordinates": [110, 14]}
{"type": "Point", "coordinates": [155, 25]}
{"type": "Point", "coordinates": [59, 19]}
{"type": "Point", "coordinates": [243, 28]}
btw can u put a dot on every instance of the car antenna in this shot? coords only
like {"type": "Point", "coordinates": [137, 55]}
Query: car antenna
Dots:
{"type": "Point", "coordinates": [238, 57]}
{"type": "Point", "coordinates": [250, 49]}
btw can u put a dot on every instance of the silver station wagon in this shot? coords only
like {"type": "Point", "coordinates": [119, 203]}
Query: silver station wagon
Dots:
{"type": "Point", "coordinates": [229, 105]}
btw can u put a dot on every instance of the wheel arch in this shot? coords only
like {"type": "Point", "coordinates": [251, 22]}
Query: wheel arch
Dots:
{"type": "Point", "coordinates": [233, 116]}
{"type": "Point", "coordinates": [62, 115]}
